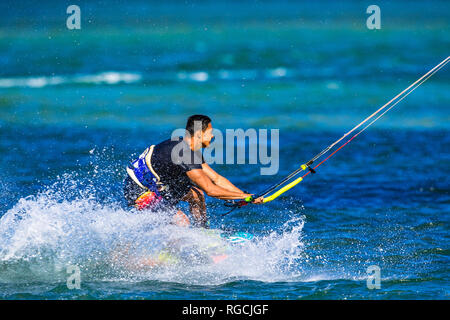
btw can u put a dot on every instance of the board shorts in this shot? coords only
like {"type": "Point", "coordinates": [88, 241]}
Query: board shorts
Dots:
{"type": "Point", "coordinates": [141, 198]}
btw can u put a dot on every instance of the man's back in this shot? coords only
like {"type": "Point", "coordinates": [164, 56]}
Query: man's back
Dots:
{"type": "Point", "coordinates": [172, 171]}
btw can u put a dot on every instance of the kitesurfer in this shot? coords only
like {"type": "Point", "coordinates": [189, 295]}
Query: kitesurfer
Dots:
{"type": "Point", "coordinates": [174, 170]}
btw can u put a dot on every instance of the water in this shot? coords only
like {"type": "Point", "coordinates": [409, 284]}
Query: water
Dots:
{"type": "Point", "coordinates": [75, 106]}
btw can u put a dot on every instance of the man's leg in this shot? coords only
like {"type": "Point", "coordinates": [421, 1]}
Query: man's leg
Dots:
{"type": "Point", "coordinates": [180, 219]}
{"type": "Point", "coordinates": [196, 199]}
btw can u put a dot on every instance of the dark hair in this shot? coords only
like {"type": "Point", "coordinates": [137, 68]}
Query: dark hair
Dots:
{"type": "Point", "coordinates": [205, 120]}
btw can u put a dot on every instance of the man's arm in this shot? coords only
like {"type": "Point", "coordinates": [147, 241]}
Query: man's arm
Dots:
{"type": "Point", "coordinates": [219, 180]}
{"type": "Point", "coordinates": [204, 182]}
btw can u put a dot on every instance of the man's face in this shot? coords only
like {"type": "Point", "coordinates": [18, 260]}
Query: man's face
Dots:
{"type": "Point", "coordinates": [207, 136]}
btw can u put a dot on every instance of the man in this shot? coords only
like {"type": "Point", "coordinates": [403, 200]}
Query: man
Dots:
{"type": "Point", "coordinates": [174, 171]}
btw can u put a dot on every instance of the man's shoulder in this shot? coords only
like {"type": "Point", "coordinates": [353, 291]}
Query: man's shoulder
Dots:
{"type": "Point", "coordinates": [169, 143]}
{"type": "Point", "coordinates": [164, 150]}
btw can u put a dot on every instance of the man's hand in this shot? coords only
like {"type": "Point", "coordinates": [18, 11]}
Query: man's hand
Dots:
{"type": "Point", "coordinates": [255, 201]}
{"type": "Point", "coordinates": [258, 200]}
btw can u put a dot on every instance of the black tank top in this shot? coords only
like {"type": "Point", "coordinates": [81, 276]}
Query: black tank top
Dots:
{"type": "Point", "coordinates": [172, 170]}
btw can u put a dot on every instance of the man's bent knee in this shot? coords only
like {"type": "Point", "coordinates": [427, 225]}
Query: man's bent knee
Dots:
{"type": "Point", "coordinates": [181, 219]}
{"type": "Point", "coordinates": [198, 194]}
{"type": "Point", "coordinates": [195, 196]}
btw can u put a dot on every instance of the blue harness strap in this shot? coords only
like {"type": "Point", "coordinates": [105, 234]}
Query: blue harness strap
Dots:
{"type": "Point", "coordinates": [143, 174]}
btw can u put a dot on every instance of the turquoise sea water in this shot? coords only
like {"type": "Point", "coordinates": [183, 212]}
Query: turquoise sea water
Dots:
{"type": "Point", "coordinates": [76, 106]}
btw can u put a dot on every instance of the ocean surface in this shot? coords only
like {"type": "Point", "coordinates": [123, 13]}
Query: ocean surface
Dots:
{"type": "Point", "coordinates": [77, 105]}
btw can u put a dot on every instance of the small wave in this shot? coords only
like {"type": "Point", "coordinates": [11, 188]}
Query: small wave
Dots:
{"type": "Point", "coordinates": [44, 234]}
{"type": "Point", "coordinates": [114, 77]}
{"type": "Point", "coordinates": [108, 77]}
{"type": "Point", "coordinates": [199, 76]}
